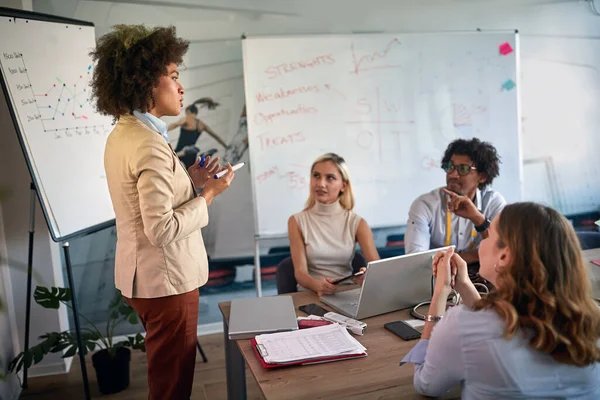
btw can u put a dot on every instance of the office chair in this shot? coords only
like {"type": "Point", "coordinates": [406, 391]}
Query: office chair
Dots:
{"type": "Point", "coordinates": [286, 281]}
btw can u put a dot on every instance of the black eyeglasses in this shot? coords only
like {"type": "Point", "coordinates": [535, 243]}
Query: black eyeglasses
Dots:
{"type": "Point", "coordinates": [462, 169]}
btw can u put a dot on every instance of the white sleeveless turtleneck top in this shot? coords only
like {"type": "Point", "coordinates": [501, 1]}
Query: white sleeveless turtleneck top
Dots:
{"type": "Point", "coordinates": [329, 233]}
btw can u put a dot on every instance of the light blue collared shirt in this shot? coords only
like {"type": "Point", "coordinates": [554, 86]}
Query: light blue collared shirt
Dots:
{"type": "Point", "coordinates": [153, 122]}
{"type": "Point", "coordinates": [426, 227]}
{"type": "Point", "coordinates": [467, 347]}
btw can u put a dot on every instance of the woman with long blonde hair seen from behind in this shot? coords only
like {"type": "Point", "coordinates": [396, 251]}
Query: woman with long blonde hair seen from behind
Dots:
{"type": "Point", "coordinates": [535, 336]}
{"type": "Point", "coordinates": [323, 236]}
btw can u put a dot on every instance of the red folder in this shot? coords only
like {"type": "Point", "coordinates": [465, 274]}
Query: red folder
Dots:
{"type": "Point", "coordinates": [303, 362]}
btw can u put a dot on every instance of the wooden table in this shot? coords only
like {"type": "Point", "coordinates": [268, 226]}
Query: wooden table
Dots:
{"type": "Point", "coordinates": [376, 376]}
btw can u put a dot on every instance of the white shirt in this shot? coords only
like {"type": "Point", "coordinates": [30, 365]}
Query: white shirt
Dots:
{"type": "Point", "coordinates": [427, 221]}
{"type": "Point", "coordinates": [468, 347]}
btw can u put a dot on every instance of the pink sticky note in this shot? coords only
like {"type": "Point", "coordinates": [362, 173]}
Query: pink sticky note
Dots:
{"type": "Point", "coordinates": [597, 262]}
{"type": "Point", "coordinates": [505, 48]}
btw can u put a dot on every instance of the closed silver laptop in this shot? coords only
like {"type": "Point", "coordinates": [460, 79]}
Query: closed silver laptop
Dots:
{"type": "Point", "coordinates": [255, 315]}
{"type": "Point", "coordinates": [389, 285]}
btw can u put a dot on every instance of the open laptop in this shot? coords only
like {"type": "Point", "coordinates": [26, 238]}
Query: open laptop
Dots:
{"type": "Point", "coordinates": [389, 285]}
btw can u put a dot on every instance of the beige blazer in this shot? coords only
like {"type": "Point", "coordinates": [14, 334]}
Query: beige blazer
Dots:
{"type": "Point", "coordinates": [160, 251]}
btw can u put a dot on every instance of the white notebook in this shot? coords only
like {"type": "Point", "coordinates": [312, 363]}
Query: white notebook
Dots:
{"type": "Point", "coordinates": [306, 344]}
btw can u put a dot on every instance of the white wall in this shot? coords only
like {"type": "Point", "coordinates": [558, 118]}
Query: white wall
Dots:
{"type": "Point", "coordinates": [10, 388]}
{"type": "Point", "coordinates": [559, 36]}
{"type": "Point", "coordinates": [560, 53]}
{"type": "Point", "coordinates": [213, 68]}
{"type": "Point", "coordinates": [560, 59]}
{"type": "Point", "coordinates": [9, 343]}
{"type": "Point", "coordinates": [14, 212]}
{"type": "Point", "coordinates": [46, 256]}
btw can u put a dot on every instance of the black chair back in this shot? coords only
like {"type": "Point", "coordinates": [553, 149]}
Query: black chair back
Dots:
{"type": "Point", "coordinates": [588, 239]}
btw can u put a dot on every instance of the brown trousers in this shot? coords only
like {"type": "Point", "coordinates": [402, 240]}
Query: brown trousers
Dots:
{"type": "Point", "coordinates": [170, 323]}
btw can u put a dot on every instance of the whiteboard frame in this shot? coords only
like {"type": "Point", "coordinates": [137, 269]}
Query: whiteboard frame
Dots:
{"type": "Point", "coordinates": [517, 50]}
{"type": "Point", "coordinates": [258, 237]}
{"type": "Point", "coordinates": [48, 216]}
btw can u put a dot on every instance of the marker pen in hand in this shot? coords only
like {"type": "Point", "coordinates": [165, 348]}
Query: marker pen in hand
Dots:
{"type": "Point", "coordinates": [235, 168]}
{"type": "Point", "coordinates": [202, 161]}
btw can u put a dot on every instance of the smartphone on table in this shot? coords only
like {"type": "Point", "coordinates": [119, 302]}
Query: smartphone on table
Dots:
{"type": "Point", "coordinates": [313, 309]}
{"type": "Point", "coordinates": [402, 329]}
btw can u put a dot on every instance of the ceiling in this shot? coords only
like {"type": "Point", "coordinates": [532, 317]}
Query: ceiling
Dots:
{"type": "Point", "coordinates": [329, 8]}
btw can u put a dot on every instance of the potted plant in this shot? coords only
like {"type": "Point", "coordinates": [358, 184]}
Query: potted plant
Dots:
{"type": "Point", "coordinates": [111, 362]}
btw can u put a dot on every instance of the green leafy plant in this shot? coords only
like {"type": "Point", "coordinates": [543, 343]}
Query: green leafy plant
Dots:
{"type": "Point", "coordinates": [15, 265]}
{"type": "Point", "coordinates": [92, 336]}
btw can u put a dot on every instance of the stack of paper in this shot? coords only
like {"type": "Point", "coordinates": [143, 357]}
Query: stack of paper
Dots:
{"type": "Point", "coordinates": [320, 344]}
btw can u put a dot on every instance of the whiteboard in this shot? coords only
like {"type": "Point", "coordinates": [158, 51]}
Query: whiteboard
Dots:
{"type": "Point", "coordinates": [389, 104]}
{"type": "Point", "coordinates": [46, 72]}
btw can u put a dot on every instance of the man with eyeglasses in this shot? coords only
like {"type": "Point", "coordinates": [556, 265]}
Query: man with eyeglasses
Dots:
{"type": "Point", "coordinates": [460, 213]}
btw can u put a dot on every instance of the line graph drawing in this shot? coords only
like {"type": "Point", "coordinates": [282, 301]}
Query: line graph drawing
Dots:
{"type": "Point", "coordinates": [373, 59]}
{"type": "Point", "coordinates": [62, 107]}
{"type": "Point", "coordinates": [72, 96]}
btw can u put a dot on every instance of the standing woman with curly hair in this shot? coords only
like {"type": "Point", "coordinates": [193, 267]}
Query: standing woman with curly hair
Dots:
{"type": "Point", "coordinates": [535, 336]}
{"type": "Point", "coordinates": [160, 260]}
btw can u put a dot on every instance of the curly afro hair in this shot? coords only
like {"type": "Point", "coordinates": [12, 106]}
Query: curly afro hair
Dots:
{"type": "Point", "coordinates": [483, 154]}
{"type": "Point", "coordinates": [129, 62]}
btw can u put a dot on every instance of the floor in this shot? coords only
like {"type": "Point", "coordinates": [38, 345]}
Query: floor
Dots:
{"type": "Point", "coordinates": [209, 380]}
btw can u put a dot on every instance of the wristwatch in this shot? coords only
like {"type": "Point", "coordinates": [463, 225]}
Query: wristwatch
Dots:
{"type": "Point", "coordinates": [433, 318]}
{"type": "Point", "coordinates": [484, 226]}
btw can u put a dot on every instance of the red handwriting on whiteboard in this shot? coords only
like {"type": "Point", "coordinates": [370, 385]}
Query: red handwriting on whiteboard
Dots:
{"type": "Point", "coordinates": [375, 60]}
{"type": "Point", "coordinates": [335, 90]}
{"type": "Point", "coordinates": [284, 93]}
{"type": "Point", "coordinates": [275, 71]}
{"type": "Point", "coordinates": [365, 107]}
{"type": "Point", "coordinates": [295, 181]}
{"type": "Point", "coordinates": [267, 174]}
{"type": "Point", "coordinates": [272, 142]}
{"type": "Point", "coordinates": [391, 107]}
{"type": "Point", "coordinates": [429, 163]}
{"type": "Point", "coordinates": [365, 139]}
{"type": "Point", "coordinates": [268, 118]}
{"type": "Point", "coordinates": [462, 114]}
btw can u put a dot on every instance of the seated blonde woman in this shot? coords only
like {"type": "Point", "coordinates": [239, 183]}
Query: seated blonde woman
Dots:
{"type": "Point", "coordinates": [323, 237]}
{"type": "Point", "coordinates": [534, 337]}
